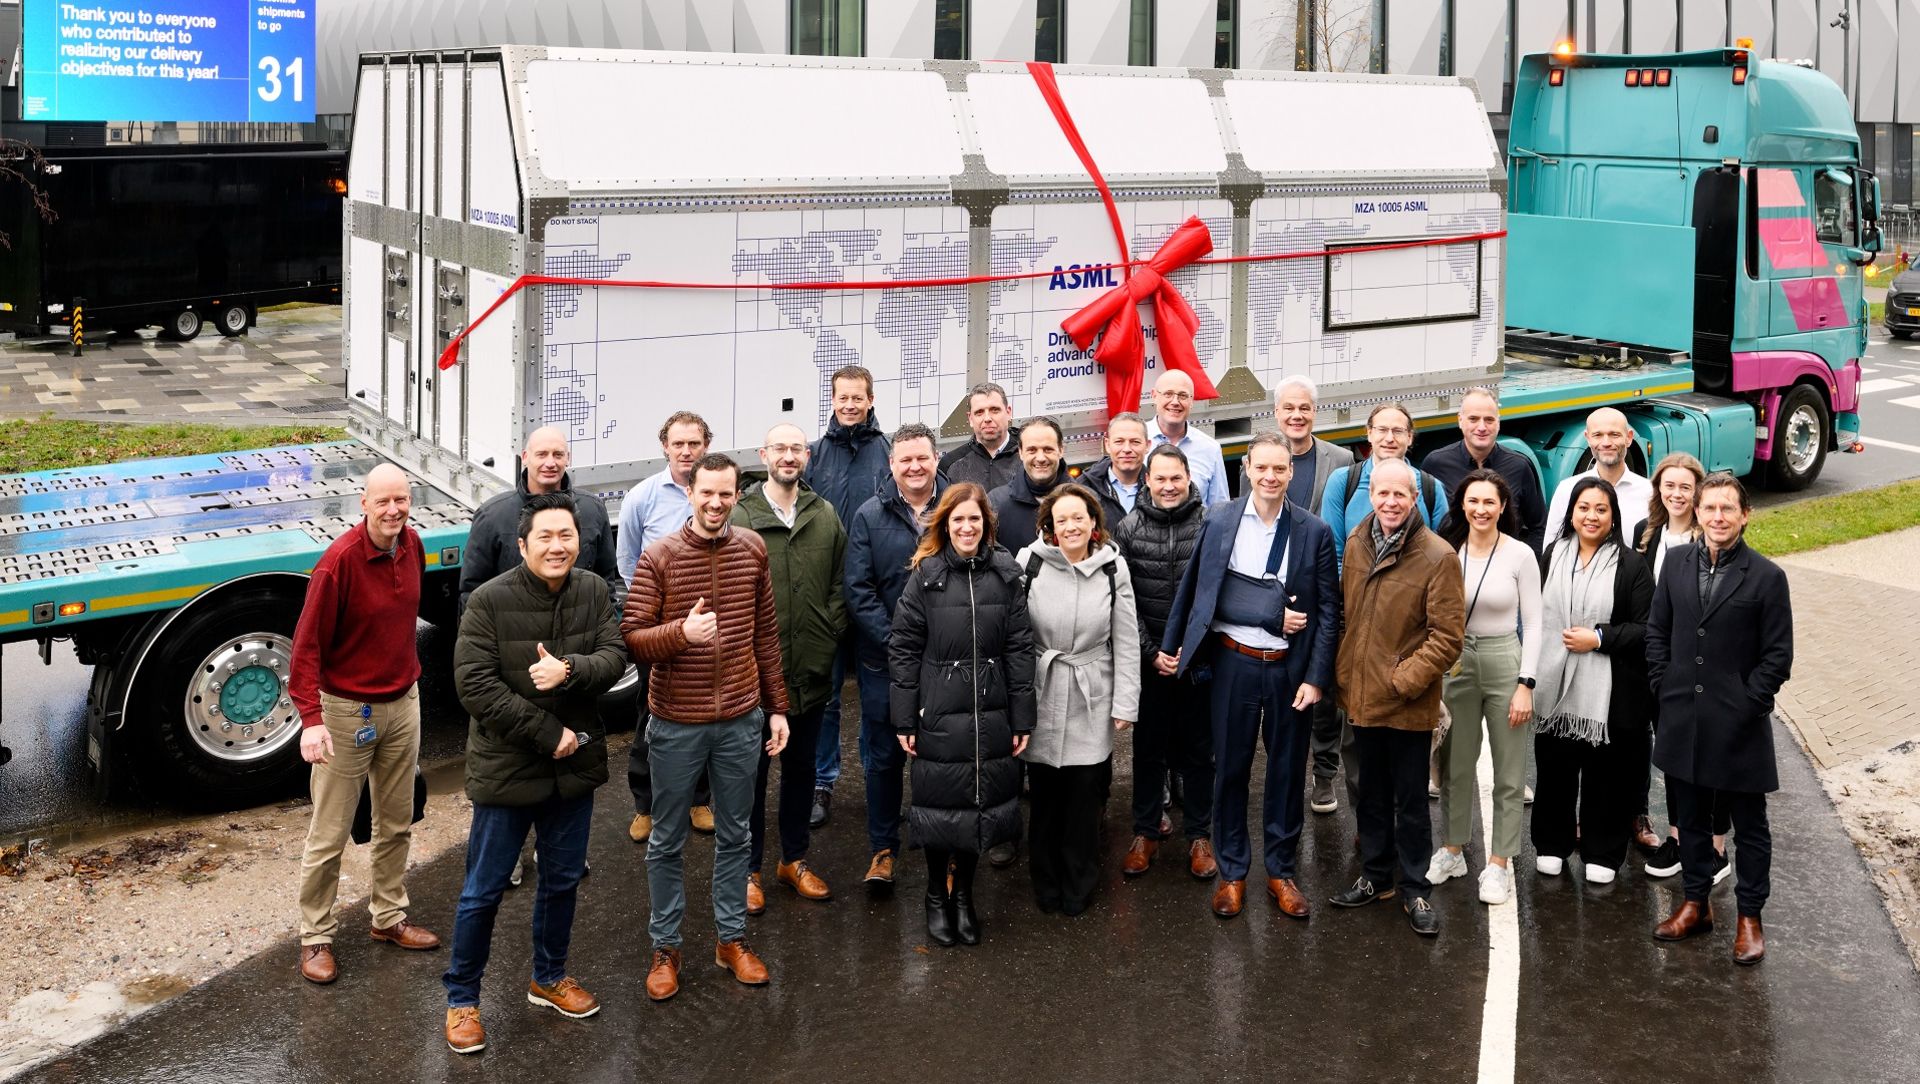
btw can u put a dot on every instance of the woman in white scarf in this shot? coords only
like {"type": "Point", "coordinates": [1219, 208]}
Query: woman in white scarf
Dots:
{"type": "Point", "coordinates": [1591, 710]}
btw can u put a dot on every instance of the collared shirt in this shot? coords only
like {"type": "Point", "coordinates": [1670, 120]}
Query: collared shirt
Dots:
{"type": "Point", "coordinates": [355, 636]}
{"type": "Point", "coordinates": [653, 510]}
{"type": "Point", "coordinates": [1205, 464]}
{"type": "Point", "coordinates": [1125, 494]}
{"type": "Point", "coordinates": [1634, 493]}
{"type": "Point", "coordinates": [1252, 542]}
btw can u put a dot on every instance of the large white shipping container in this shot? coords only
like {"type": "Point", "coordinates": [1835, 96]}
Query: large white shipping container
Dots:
{"type": "Point", "coordinates": [471, 169]}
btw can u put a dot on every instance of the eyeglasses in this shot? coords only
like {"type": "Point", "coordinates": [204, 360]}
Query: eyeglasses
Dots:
{"type": "Point", "coordinates": [1393, 432]}
{"type": "Point", "coordinates": [784, 449]}
{"type": "Point", "coordinates": [1176, 396]}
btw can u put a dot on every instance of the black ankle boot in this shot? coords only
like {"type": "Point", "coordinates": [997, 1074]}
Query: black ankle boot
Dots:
{"type": "Point", "coordinates": [940, 919]}
{"type": "Point", "coordinates": [966, 924]}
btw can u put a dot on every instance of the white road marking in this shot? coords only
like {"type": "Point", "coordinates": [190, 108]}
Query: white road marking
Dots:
{"type": "Point", "coordinates": [1498, 1033]}
{"type": "Point", "coordinates": [1885, 383]}
{"type": "Point", "coordinates": [1876, 442]}
{"type": "Point", "coordinates": [1909, 401]}
{"type": "Point", "coordinates": [1867, 370]}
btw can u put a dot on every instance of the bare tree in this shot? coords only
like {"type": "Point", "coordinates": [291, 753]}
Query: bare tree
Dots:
{"type": "Point", "coordinates": [22, 163]}
{"type": "Point", "coordinates": [1342, 34]}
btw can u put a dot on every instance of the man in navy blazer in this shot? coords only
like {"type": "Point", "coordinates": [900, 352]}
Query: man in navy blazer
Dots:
{"type": "Point", "coordinates": [1259, 607]}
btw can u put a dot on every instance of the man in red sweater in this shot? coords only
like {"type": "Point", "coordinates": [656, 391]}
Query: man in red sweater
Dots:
{"type": "Point", "coordinates": [353, 678]}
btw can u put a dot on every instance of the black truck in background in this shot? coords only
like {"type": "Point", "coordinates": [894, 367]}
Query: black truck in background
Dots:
{"type": "Point", "coordinates": [172, 236]}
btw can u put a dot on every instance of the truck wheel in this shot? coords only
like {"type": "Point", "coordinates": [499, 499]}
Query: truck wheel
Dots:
{"type": "Point", "coordinates": [214, 695]}
{"type": "Point", "coordinates": [1800, 437]}
{"type": "Point", "coordinates": [233, 320]}
{"type": "Point", "coordinates": [182, 326]}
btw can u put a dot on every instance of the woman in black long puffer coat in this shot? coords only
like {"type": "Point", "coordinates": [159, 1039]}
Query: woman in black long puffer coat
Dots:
{"type": "Point", "coordinates": [961, 656]}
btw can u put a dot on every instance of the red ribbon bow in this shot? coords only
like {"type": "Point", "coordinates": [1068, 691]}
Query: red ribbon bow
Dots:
{"type": "Point", "coordinates": [1115, 317]}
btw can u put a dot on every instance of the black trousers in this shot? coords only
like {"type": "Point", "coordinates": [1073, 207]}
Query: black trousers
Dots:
{"type": "Point", "coordinates": [1063, 842]}
{"type": "Point", "coordinates": [965, 863]}
{"type": "Point", "coordinates": [1395, 832]}
{"type": "Point", "coordinates": [1175, 734]}
{"type": "Point", "coordinates": [640, 773]}
{"type": "Point", "coordinates": [798, 764]}
{"type": "Point", "coordinates": [1692, 808]}
{"type": "Point", "coordinates": [1589, 791]}
{"type": "Point", "coordinates": [1253, 705]}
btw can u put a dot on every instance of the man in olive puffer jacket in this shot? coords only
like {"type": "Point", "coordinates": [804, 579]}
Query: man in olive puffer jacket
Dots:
{"type": "Point", "coordinates": [538, 645]}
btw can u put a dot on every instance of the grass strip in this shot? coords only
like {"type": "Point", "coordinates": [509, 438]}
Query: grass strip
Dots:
{"type": "Point", "coordinates": [1828, 521]}
{"type": "Point", "coordinates": [49, 443]}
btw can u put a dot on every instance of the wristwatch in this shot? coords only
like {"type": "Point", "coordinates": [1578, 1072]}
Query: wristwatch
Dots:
{"type": "Point", "coordinates": [1528, 682]}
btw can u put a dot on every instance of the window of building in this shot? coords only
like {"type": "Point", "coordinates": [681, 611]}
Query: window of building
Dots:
{"type": "Point", "coordinates": [1833, 206]}
{"type": "Point", "coordinates": [950, 30]}
{"type": "Point", "coordinates": [1226, 43]}
{"type": "Point", "coordinates": [1140, 34]}
{"type": "Point", "coordinates": [1050, 31]}
{"type": "Point", "coordinates": [826, 27]}
{"type": "Point", "coordinates": [1901, 190]}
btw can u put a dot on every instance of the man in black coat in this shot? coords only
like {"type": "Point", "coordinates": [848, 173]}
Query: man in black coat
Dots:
{"type": "Point", "coordinates": [1157, 540]}
{"type": "Point", "coordinates": [492, 543]}
{"type": "Point", "coordinates": [991, 459]}
{"type": "Point", "coordinates": [1118, 479]}
{"type": "Point", "coordinates": [1719, 647]}
{"type": "Point", "coordinates": [1017, 504]}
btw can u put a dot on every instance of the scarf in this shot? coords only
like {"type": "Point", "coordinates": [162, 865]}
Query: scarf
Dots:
{"type": "Point", "coordinates": [1575, 690]}
{"type": "Point", "coordinates": [1384, 543]}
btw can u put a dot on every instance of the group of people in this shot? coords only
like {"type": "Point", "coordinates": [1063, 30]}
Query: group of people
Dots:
{"type": "Point", "coordinates": [1003, 617]}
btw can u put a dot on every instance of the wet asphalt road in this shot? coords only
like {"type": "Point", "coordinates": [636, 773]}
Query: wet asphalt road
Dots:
{"type": "Point", "coordinates": [1148, 985]}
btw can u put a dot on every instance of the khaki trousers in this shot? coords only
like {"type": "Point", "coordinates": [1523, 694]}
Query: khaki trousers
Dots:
{"type": "Point", "coordinates": [1478, 697]}
{"type": "Point", "coordinates": [387, 764]}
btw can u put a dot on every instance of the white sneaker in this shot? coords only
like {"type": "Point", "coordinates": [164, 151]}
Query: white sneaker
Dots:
{"type": "Point", "coordinates": [1494, 884]}
{"type": "Point", "coordinates": [1433, 789]}
{"type": "Point", "coordinates": [1445, 866]}
{"type": "Point", "coordinates": [1599, 875]}
{"type": "Point", "coordinates": [1549, 866]}
{"type": "Point", "coordinates": [1526, 795]}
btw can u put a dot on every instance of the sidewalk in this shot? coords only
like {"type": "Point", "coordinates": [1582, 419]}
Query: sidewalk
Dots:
{"type": "Point", "coordinates": [1853, 704]}
{"type": "Point", "coordinates": [287, 370]}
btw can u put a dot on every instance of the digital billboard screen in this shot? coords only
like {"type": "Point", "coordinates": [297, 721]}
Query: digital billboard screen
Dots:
{"type": "Point", "coordinates": [178, 60]}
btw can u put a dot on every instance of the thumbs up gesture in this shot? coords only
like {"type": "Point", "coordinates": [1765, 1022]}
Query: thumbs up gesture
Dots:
{"type": "Point", "coordinates": [701, 625]}
{"type": "Point", "coordinates": [548, 672]}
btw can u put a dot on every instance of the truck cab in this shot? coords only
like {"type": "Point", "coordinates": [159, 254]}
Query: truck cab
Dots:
{"type": "Point", "coordinates": [1709, 202]}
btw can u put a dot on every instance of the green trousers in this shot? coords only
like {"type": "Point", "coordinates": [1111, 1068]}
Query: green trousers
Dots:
{"type": "Point", "coordinates": [1478, 695]}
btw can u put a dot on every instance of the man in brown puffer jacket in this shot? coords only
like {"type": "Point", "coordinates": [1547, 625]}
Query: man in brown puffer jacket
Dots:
{"type": "Point", "coordinates": [700, 613]}
{"type": "Point", "coordinates": [1405, 624]}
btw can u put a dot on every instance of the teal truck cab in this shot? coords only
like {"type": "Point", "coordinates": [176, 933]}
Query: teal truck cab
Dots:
{"type": "Point", "coordinates": [1710, 203]}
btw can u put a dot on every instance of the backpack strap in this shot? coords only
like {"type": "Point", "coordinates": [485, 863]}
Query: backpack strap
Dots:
{"type": "Point", "coordinates": [1353, 483]}
{"type": "Point", "coordinates": [1032, 570]}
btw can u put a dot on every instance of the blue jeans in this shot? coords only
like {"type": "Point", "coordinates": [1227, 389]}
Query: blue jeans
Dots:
{"type": "Point", "coordinates": [826, 762]}
{"type": "Point", "coordinates": [560, 828]}
{"type": "Point", "coordinates": [728, 752]}
{"type": "Point", "coordinates": [883, 760]}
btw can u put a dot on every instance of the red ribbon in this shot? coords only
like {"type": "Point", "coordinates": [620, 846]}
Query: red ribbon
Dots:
{"type": "Point", "coordinates": [1114, 317]}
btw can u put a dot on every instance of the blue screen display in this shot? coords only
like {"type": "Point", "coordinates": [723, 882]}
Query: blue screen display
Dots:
{"type": "Point", "coordinates": [232, 60]}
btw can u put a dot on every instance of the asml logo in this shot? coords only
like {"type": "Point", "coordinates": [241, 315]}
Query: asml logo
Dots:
{"type": "Point", "coordinates": [1080, 276]}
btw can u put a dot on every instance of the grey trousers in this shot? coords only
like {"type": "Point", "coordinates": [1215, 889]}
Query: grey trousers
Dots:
{"type": "Point", "coordinates": [729, 753]}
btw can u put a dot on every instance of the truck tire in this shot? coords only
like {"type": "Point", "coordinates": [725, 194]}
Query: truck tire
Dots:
{"type": "Point", "coordinates": [1801, 433]}
{"type": "Point", "coordinates": [182, 326]}
{"type": "Point", "coordinates": [214, 714]}
{"type": "Point", "coordinates": [233, 320]}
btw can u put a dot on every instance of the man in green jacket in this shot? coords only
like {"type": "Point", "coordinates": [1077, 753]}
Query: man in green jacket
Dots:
{"type": "Point", "coordinates": [806, 549]}
{"type": "Point", "coordinates": [538, 645]}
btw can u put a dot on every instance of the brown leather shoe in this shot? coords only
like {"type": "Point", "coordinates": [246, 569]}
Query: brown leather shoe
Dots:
{"type": "Point", "coordinates": [798, 876]}
{"type": "Point", "coordinates": [880, 870]}
{"type": "Point", "coordinates": [1690, 919]}
{"type": "Point", "coordinates": [701, 818]}
{"type": "Point", "coordinates": [1643, 835]}
{"type": "Point", "coordinates": [1229, 897]}
{"type": "Point", "coordinates": [640, 828]}
{"type": "Point", "coordinates": [564, 997]}
{"type": "Point", "coordinates": [1139, 856]}
{"type": "Point", "coordinates": [756, 896]}
{"type": "Point", "coordinates": [1288, 897]}
{"type": "Point", "coordinates": [1749, 941]}
{"type": "Point", "coordinates": [464, 1033]}
{"type": "Point", "coordinates": [1200, 861]}
{"type": "Point", "coordinates": [407, 936]}
{"type": "Point", "coordinates": [736, 957]}
{"type": "Point", "coordinates": [663, 976]}
{"type": "Point", "coordinates": [317, 965]}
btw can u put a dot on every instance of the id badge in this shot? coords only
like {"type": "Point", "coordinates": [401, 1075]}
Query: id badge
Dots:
{"type": "Point", "coordinates": [365, 735]}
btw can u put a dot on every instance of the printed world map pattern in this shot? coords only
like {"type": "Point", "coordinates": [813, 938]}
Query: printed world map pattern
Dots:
{"type": "Point", "coordinates": [617, 361]}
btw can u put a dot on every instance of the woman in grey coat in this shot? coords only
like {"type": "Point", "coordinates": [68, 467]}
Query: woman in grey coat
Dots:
{"type": "Point", "coordinates": [1086, 633]}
